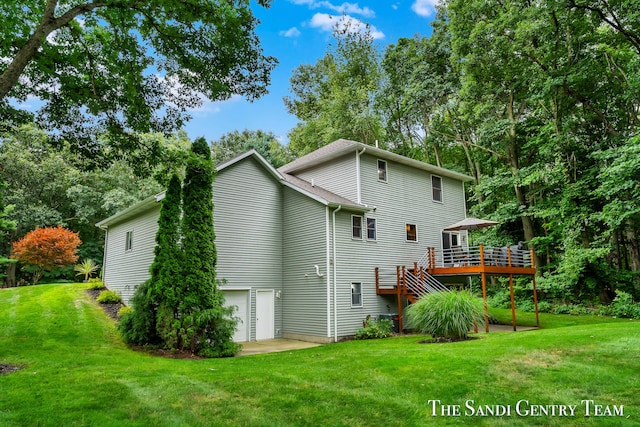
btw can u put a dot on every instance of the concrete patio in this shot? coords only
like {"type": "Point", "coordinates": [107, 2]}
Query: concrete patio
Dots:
{"type": "Point", "coordinates": [274, 346]}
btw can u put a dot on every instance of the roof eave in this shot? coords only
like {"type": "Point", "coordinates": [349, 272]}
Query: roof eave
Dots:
{"type": "Point", "coordinates": [131, 210]}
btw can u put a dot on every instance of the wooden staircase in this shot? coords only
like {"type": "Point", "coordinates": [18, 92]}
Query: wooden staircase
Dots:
{"type": "Point", "coordinates": [412, 283]}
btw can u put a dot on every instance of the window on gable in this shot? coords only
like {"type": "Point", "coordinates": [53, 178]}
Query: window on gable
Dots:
{"type": "Point", "coordinates": [356, 227]}
{"type": "Point", "coordinates": [382, 171]}
{"type": "Point", "coordinates": [356, 294]}
{"type": "Point", "coordinates": [436, 188]}
{"type": "Point", "coordinates": [412, 233]}
{"type": "Point", "coordinates": [371, 229]}
{"type": "Point", "coordinates": [128, 244]}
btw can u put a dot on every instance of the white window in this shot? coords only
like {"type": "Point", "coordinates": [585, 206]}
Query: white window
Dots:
{"type": "Point", "coordinates": [371, 229]}
{"type": "Point", "coordinates": [436, 188]}
{"type": "Point", "coordinates": [412, 233]}
{"type": "Point", "coordinates": [356, 227]}
{"type": "Point", "coordinates": [356, 294]}
{"type": "Point", "coordinates": [128, 244]}
{"type": "Point", "coordinates": [382, 171]}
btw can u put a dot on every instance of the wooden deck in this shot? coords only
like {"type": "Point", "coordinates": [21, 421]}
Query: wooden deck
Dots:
{"type": "Point", "coordinates": [477, 260]}
{"type": "Point", "coordinates": [416, 281]}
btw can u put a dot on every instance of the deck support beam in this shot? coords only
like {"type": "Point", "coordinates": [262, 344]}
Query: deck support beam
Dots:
{"type": "Point", "coordinates": [399, 282]}
{"type": "Point", "coordinates": [513, 303]}
{"type": "Point", "coordinates": [535, 299]}
{"type": "Point", "coordinates": [484, 299]}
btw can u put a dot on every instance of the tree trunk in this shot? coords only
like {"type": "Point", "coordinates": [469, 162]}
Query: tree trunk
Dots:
{"type": "Point", "coordinates": [634, 250]}
{"type": "Point", "coordinates": [10, 280]}
{"type": "Point", "coordinates": [520, 191]}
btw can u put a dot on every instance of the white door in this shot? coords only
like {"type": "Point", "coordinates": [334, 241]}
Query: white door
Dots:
{"type": "Point", "coordinates": [241, 300]}
{"type": "Point", "coordinates": [265, 323]}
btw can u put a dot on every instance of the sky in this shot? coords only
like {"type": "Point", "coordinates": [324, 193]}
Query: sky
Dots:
{"type": "Point", "coordinates": [297, 32]}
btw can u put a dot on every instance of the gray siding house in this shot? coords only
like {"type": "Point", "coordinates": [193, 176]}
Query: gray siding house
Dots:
{"type": "Point", "coordinates": [297, 247]}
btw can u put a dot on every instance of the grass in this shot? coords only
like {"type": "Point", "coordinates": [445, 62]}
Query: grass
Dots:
{"type": "Point", "coordinates": [77, 372]}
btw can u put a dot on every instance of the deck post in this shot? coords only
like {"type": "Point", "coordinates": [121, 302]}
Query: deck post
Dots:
{"type": "Point", "coordinates": [508, 256]}
{"type": "Point", "coordinates": [399, 295]}
{"type": "Point", "coordinates": [432, 257]}
{"type": "Point", "coordinates": [513, 302]}
{"type": "Point", "coordinates": [535, 299]}
{"type": "Point", "coordinates": [377, 280]}
{"type": "Point", "coordinates": [421, 275]}
{"type": "Point", "coordinates": [535, 291]}
{"type": "Point", "coordinates": [484, 298]}
{"type": "Point", "coordinates": [481, 246]}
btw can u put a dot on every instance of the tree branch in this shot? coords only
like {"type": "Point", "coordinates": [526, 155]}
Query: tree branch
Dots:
{"type": "Point", "coordinates": [26, 53]}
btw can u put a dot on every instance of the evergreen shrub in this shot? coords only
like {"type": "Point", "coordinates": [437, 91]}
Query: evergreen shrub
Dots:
{"type": "Point", "coordinates": [109, 297]}
{"type": "Point", "coordinates": [138, 327]}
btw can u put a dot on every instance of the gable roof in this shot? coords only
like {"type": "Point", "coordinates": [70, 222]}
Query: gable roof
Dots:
{"type": "Point", "coordinates": [314, 192]}
{"type": "Point", "coordinates": [344, 146]}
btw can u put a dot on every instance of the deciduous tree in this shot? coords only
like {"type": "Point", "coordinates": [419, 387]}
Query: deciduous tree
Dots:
{"type": "Point", "coordinates": [47, 248]}
{"type": "Point", "coordinates": [123, 68]}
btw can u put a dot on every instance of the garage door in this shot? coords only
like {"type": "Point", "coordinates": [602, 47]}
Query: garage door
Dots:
{"type": "Point", "coordinates": [241, 300]}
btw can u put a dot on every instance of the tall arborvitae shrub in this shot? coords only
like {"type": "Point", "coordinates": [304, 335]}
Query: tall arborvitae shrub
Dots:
{"type": "Point", "coordinates": [155, 303]}
{"type": "Point", "coordinates": [167, 287]}
{"type": "Point", "coordinates": [206, 326]}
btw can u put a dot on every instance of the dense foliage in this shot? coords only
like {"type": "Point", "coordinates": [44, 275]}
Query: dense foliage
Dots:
{"type": "Point", "coordinates": [110, 71]}
{"type": "Point", "coordinates": [47, 248]}
{"type": "Point", "coordinates": [265, 143]}
{"type": "Point", "coordinates": [538, 102]}
{"type": "Point", "coordinates": [47, 186]}
{"type": "Point", "coordinates": [449, 315]}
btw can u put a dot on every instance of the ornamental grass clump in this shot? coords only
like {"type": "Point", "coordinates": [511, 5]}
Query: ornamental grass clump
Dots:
{"type": "Point", "coordinates": [446, 315]}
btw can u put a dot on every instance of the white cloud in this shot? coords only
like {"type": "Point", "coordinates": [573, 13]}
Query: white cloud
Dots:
{"type": "Point", "coordinates": [291, 32]}
{"type": "Point", "coordinates": [326, 22]}
{"type": "Point", "coordinates": [424, 8]}
{"type": "Point", "coordinates": [347, 8]}
{"type": "Point", "coordinates": [213, 107]}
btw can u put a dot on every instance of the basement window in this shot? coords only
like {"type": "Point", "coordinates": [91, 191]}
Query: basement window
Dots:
{"type": "Point", "coordinates": [356, 294]}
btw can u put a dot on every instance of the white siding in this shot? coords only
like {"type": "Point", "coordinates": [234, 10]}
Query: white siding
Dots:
{"type": "Point", "coordinates": [248, 227]}
{"type": "Point", "coordinates": [337, 176]}
{"type": "Point", "coordinates": [304, 293]}
{"type": "Point", "coordinates": [125, 270]}
{"type": "Point", "coordinates": [404, 198]}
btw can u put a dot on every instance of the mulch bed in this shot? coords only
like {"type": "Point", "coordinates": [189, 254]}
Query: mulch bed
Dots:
{"type": "Point", "coordinates": [442, 340]}
{"type": "Point", "coordinates": [110, 310]}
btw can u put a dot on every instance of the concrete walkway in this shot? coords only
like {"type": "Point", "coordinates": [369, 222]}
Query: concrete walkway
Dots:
{"type": "Point", "coordinates": [274, 346]}
{"type": "Point", "coordinates": [281, 344]}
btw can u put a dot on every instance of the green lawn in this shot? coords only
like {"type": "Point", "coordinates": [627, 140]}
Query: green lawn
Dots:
{"type": "Point", "coordinates": [76, 371]}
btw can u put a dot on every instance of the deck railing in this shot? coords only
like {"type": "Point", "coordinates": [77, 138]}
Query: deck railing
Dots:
{"type": "Point", "coordinates": [504, 256]}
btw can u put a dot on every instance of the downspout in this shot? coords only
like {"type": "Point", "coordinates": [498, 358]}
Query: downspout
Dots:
{"type": "Point", "coordinates": [358, 190]}
{"type": "Point", "coordinates": [104, 252]}
{"type": "Point", "coordinates": [335, 280]}
{"type": "Point", "coordinates": [328, 255]}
